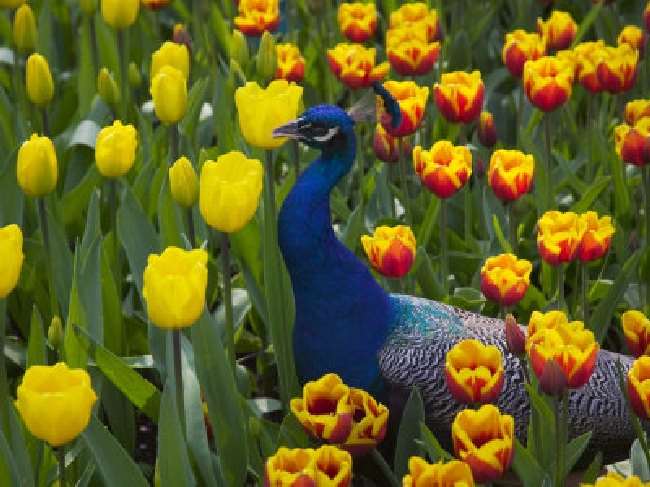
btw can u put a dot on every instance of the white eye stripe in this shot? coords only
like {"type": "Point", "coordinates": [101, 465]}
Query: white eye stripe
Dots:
{"type": "Point", "coordinates": [328, 136]}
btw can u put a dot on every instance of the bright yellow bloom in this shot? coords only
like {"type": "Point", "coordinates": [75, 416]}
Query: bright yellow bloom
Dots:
{"type": "Point", "coordinates": [357, 20]}
{"type": "Point", "coordinates": [505, 278]}
{"type": "Point", "coordinates": [24, 30]}
{"type": "Point", "coordinates": [230, 191]}
{"type": "Point", "coordinates": [484, 440]}
{"type": "Point", "coordinates": [459, 96]}
{"type": "Point", "coordinates": [410, 14]}
{"type": "Point", "coordinates": [613, 479]}
{"type": "Point", "coordinates": [548, 82]}
{"type": "Point", "coordinates": [174, 287]}
{"type": "Point", "coordinates": [11, 250]}
{"type": "Point", "coordinates": [171, 54]}
{"type": "Point", "coordinates": [391, 250]}
{"type": "Point", "coordinates": [409, 50]}
{"type": "Point", "coordinates": [519, 47]}
{"type": "Point", "coordinates": [55, 402]}
{"type": "Point", "coordinates": [551, 319]}
{"type": "Point", "coordinates": [37, 169]}
{"type": "Point", "coordinates": [636, 328]}
{"type": "Point", "coordinates": [635, 110]}
{"type": "Point", "coordinates": [120, 14]}
{"type": "Point", "coordinates": [444, 169]}
{"type": "Point", "coordinates": [115, 149]}
{"type": "Point", "coordinates": [632, 35]}
{"type": "Point", "coordinates": [354, 65]}
{"type": "Point", "coordinates": [169, 93]}
{"type": "Point", "coordinates": [261, 110]}
{"type": "Point", "coordinates": [257, 16]}
{"type": "Point", "coordinates": [290, 64]}
{"type": "Point", "coordinates": [597, 237]}
{"type": "Point", "coordinates": [333, 467]}
{"type": "Point", "coordinates": [510, 174]}
{"type": "Point", "coordinates": [423, 474]}
{"type": "Point", "coordinates": [40, 86]}
{"type": "Point", "coordinates": [183, 182]}
{"type": "Point", "coordinates": [558, 31]}
{"type": "Point", "coordinates": [559, 235]}
{"type": "Point", "coordinates": [474, 372]}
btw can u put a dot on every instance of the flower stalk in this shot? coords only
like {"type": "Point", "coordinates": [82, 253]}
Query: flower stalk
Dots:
{"type": "Point", "coordinates": [444, 263]}
{"type": "Point", "coordinates": [42, 216]}
{"type": "Point", "coordinates": [561, 415]}
{"type": "Point", "coordinates": [408, 216]}
{"type": "Point", "coordinates": [178, 375]}
{"type": "Point", "coordinates": [584, 287]}
{"type": "Point", "coordinates": [646, 191]}
{"type": "Point", "coordinates": [560, 287]}
{"type": "Point", "coordinates": [227, 298]}
{"type": "Point", "coordinates": [383, 466]}
{"type": "Point", "coordinates": [122, 47]}
{"type": "Point", "coordinates": [546, 164]}
{"type": "Point", "coordinates": [60, 455]}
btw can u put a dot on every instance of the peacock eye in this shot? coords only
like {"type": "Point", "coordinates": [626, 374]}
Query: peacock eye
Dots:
{"type": "Point", "coordinates": [320, 133]}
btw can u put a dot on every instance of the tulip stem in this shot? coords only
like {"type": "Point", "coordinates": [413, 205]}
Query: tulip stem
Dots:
{"type": "Point", "coordinates": [384, 467]}
{"type": "Point", "coordinates": [560, 286]}
{"type": "Point", "coordinates": [585, 286]}
{"type": "Point", "coordinates": [561, 413]}
{"type": "Point", "coordinates": [46, 122]}
{"type": "Point", "coordinates": [227, 298]}
{"type": "Point", "coordinates": [178, 375]}
{"type": "Point", "coordinates": [60, 455]}
{"type": "Point", "coordinates": [122, 46]}
{"type": "Point", "coordinates": [444, 263]}
{"type": "Point", "coordinates": [512, 228]}
{"type": "Point", "coordinates": [646, 191]}
{"type": "Point", "coordinates": [402, 181]}
{"type": "Point", "coordinates": [519, 100]}
{"type": "Point", "coordinates": [42, 216]}
{"type": "Point", "coordinates": [174, 143]}
{"type": "Point", "coordinates": [546, 196]}
{"type": "Point", "coordinates": [191, 233]}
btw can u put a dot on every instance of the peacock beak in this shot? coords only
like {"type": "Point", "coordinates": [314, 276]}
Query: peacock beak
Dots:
{"type": "Point", "coordinates": [291, 129]}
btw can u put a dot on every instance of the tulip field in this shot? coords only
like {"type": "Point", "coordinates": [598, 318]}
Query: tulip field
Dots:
{"type": "Point", "coordinates": [316, 243]}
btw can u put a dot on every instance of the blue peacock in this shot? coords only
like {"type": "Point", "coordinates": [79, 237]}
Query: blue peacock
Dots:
{"type": "Point", "coordinates": [348, 324]}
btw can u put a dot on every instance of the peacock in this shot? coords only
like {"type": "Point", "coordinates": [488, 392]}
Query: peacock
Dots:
{"type": "Point", "coordinates": [348, 324]}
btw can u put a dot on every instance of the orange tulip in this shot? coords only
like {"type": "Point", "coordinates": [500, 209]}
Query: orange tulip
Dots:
{"type": "Point", "coordinates": [510, 174]}
{"type": "Point", "coordinates": [444, 169]}
{"type": "Point", "coordinates": [257, 16]}
{"type": "Point", "coordinates": [548, 82]}
{"type": "Point", "coordinates": [588, 56]}
{"type": "Point", "coordinates": [634, 36]}
{"type": "Point", "coordinates": [412, 101]}
{"type": "Point", "coordinates": [519, 47]}
{"type": "Point", "coordinates": [484, 440]}
{"type": "Point", "coordinates": [411, 14]}
{"type": "Point", "coordinates": [633, 143]}
{"type": "Point", "coordinates": [369, 424]}
{"type": "Point", "coordinates": [617, 68]}
{"type": "Point", "coordinates": [290, 64]}
{"type": "Point", "coordinates": [386, 146]}
{"type": "Point", "coordinates": [559, 235]}
{"type": "Point", "coordinates": [487, 132]}
{"type": "Point", "coordinates": [635, 110]}
{"type": "Point", "coordinates": [505, 279]}
{"type": "Point", "coordinates": [409, 51]}
{"type": "Point", "coordinates": [636, 328]}
{"type": "Point", "coordinates": [638, 386]}
{"type": "Point", "coordinates": [597, 237]}
{"type": "Point", "coordinates": [423, 474]}
{"type": "Point", "coordinates": [459, 96]}
{"type": "Point", "coordinates": [474, 372]}
{"type": "Point", "coordinates": [558, 31]}
{"type": "Point", "coordinates": [354, 65]}
{"type": "Point", "coordinates": [358, 20]}
{"type": "Point", "coordinates": [391, 250]}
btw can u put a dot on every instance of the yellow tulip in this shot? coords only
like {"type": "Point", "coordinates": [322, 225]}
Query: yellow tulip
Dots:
{"type": "Point", "coordinates": [171, 54]}
{"type": "Point", "coordinates": [11, 3]}
{"type": "Point", "coordinates": [115, 149]}
{"type": "Point", "coordinates": [120, 14]}
{"type": "Point", "coordinates": [169, 93]}
{"type": "Point", "coordinates": [262, 110]}
{"type": "Point", "coordinates": [183, 182]}
{"type": "Point", "coordinates": [25, 31]}
{"type": "Point", "coordinates": [37, 168]}
{"type": "Point", "coordinates": [11, 250]}
{"type": "Point", "coordinates": [55, 402]}
{"type": "Point", "coordinates": [230, 191]}
{"type": "Point", "coordinates": [174, 287]}
{"type": "Point", "coordinates": [40, 86]}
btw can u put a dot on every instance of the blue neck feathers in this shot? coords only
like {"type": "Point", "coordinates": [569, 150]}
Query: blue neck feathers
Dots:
{"type": "Point", "coordinates": [342, 315]}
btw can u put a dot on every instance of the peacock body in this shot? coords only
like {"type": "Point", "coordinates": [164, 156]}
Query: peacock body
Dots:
{"type": "Point", "coordinates": [346, 323]}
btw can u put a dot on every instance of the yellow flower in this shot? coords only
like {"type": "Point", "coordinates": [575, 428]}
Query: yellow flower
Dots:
{"type": "Point", "coordinates": [423, 474]}
{"type": "Point", "coordinates": [505, 279]}
{"type": "Point", "coordinates": [636, 328]}
{"type": "Point", "coordinates": [11, 250]}
{"type": "Point", "coordinates": [183, 182]}
{"type": "Point", "coordinates": [354, 65]}
{"type": "Point", "coordinates": [632, 143]}
{"type": "Point", "coordinates": [115, 149]}
{"type": "Point", "coordinates": [174, 287]}
{"type": "Point", "coordinates": [409, 51]}
{"type": "Point", "coordinates": [357, 20]}
{"type": "Point", "coordinates": [588, 56]}
{"type": "Point", "coordinates": [305, 467]}
{"type": "Point", "coordinates": [230, 191]}
{"type": "Point", "coordinates": [155, 4]}
{"type": "Point", "coordinates": [333, 467]}
{"type": "Point", "coordinates": [37, 169]}
{"type": "Point", "coordinates": [559, 235]}
{"type": "Point", "coordinates": [519, 47]}
{"type": "Point", "coordinates": [25, 31]}
{"type": "Point", "coordinates": [391, 250]}
{"type": "Point", "coordinates": [169, 93]}
{"type": "Point", "coordinates": [617, 68]}
{"type": "Point", "coordinates": [262, 110]}
{"type": "Point", "coordinates": [558, 31]}
{"type": "Point", "coordinates": [597, 237]}
{"type": "Point", "coordinates": [290, 64]}
{"type": "Point", "coordinates": [444, 169]}
{"type": "Point", "coordinates": [410, 14]}
{"type": "Point", "coordinates": [40, 86]}
{"type": "Point", "coordinates": [634, 36]}
{"type": "Point", "coordinates": [613, 479]}
{"type": "Point", "coordinates": [120, 14]}
{"type": "Point", "coordinates": [55, 402]}
{"type": "Point", "coordinates": [538, 321]}
{"type": "Point", "coordinates": [638, 386]}
{"type": "Point", "coordinates": [459, 96]}
{"type": "Point", "coordinates": [257, 16]}
{"type": "Point", "coordinates": [171, 54]}
{"type": "Point", "coordinates": [510, 174]}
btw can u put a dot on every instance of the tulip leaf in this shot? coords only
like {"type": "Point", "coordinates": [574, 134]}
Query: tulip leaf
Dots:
{"type": "Point", "coordinates": [292, 434]}
{"type": "Point", "coordinates": [640, 466]}
{"type": "Point", "coordinates": [409, 431]}
{"type": "Point", "coordinates": [526, 467]}
{"type": "Point", "coordinates": [8, 467]}
{"type": "Point", "coordinates": [432, 446]}
{"type": "Point", "coordinates": [354, 228]}
{"type": "Point", "coordinates": [575, 449]}
{"type": "Point", "coordinates": [503, 241]}
{"type": "Point", "coordinates": [592, 193]}
{"type": "Point", "coordinates": [115, 464]}
{"type": "Point", "coordinates": [61, 260]}
{"type": "Point", "coordinates": [19, 448]}
{"type": "Point", "coordinates": [426, 277]}
{"type": "Point", "coordinates": [36, 344]}
{"type": "Point", "coordinates": [429, 222]}
{"type": "Point", "coordinates": [593, 470]}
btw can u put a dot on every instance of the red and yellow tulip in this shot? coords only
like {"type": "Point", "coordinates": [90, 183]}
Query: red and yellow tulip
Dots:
{"type": "Point", "coordinates": [487, 132]}
{"type": "Point", "coordinates": [459, 96]}
{"type": "Point", "coordinates": [412, 101]}
{"type": "Point", "coordinates": [387, 147]}
{"type": "Point", "coordinates": [588, 56]}
{"type": "Point", "coordinates": [636, 328]}
{"type": "Point", "coordinates": [290, 64]}
{"type": "Point", "coordinates": [510, 173]}
{"type": "Point", "coordinates": [617, 68]}
{"type": "Point", "coordinates": [558, 31]}
{"type": "Point", "coordinates": [369, 424]}
{"type": "Point", "coordinates": [548, 82]}
{"type": "Point", "coordinates": [505, 279]}
{"type": "Point", "coordinates": [538, 321]}
{"type": "Point", "coordinates": [423, 474]}
{"type": "Point", "coordinates": [357, 20]}
{"type": "Point", "coordinates": [391, 250]}
{"type": "Point", "coordinates": [559, 235]}
{"type": "Point", "coordinates": [483, 439]}
{"type": "Point", "coordinates": [519, 47]}
{"type": "Point", "coordinates": [633, 142]}
{"type": "Point", "coordinates": [418, 13]}
{"type": "Point", "coordinates": [257, 16]}
{"type": "Point", "coordinates": [327, 466]}
{"type": "Point", "coordinates": [598, 234]}
{"type": "Point", "coordinates": [354, 65]}
{"type": "Point", "coordinates": [474, 372]}
{"type": "Point", "coordinates": [638, 386]}
{"type": "Point", "coordinates": [634, 36]}
{"type": "Point", "coordinates": [409, 51]}
{"type": "Point", "coordinates": [613, 479]}
{"type": "Point", "coordinates": [444, 169]}
{"type": "Point", "coordinates": [635, 110]}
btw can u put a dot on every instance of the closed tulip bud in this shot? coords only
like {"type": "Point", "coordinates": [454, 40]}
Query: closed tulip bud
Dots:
{"type": "Point", "coordinates": [135, 78]}
{"type": "Point", "coordinates": [24, 30]}
{"type": "Point", "coordinates": [487, 132]}
{"type": "Point", "coordinates": [505, 279]}
{"type": "Point", "coordinates": [635, 110]}
{"type": "Point", "coordinates": [11, 249]}
{"type": "Point", "coordinates": [636, 328]}
{"type": "Point", "coordinates": [115, 149]}
{"type": "Point", "coordinates": [354, 65]}
{"type": "Point", "coordinates": [183, 182]}
{"type": "Point", "coordinates": [515, 338]}
{"type": "Point", "coordinates": [559, 235]}
{"type": "Point", "coordinates": [239, 48]}
{"type": "Point", "coordinates": [474, 372]}
{"type": "Point", "coordinates": [638, 385]}
{"type": "Point", "coordinates": [107, 87]}
{"type": "Point", "coordinates": [634, 36]}
{"type": "Point", "coordinates": [265, 61]}
{"type": "Point", "coordinates": [510, 173]}
{"type": "Point", "coordinates": [40, 86]}
{"type": "Point", "coordinates": [596, 240]}
{"type": "Point", "coordinates": [290, 64]}
{"type": "Point", "coordinates": [416, 14]}
{"type": "Point", "coordinates": [170, 54]}
{"type": "Point", "coordinates": [155, 4]}
{"type": "Point", "coordinates": [558, 31]}
{"type": "Point", "coordinates": [37, 168]}
{"type": "Point", "coordinates": [89, 7]}
{"type": "Point", "coordinates": [55, 333]}
{"type": "Point", "coordinates": [409, 51]}
{"type": "Point", "coordinates": [120, 14]}
{"type": "Point", "coordinates": [387, 147]}
{"type": "Point", "coordinates": [412, 101]}
{"type": "Point", "coordinates": [633, 143]}
{"type": "Point", "coordinates": [180, 35]}
{"type": "Point", "coordinates": [552, 381]}
{"type": "Point", "coordinates": [11, 3]}
{"type": "Point", "coordinates": [174, 287]}
{"type": "Point", "coordinates": [459, 96]}
{"type": "Point", "coordinates": [169, 93]}
{"type": "Point", "coordinates": [230, 191]}
{"type": "Point", "coordinates": [261, 110]}
{"type": "Point", "coordinates": [519, 47]}
{"type": "Point", "coordinates": [257, 16]}
{"type": "Point", "coordinates": [55, 402]}
{"type": "Point", "coordinates": [391, 250]}
{"type": "Point", "coordinates": [548, 82]}
{"type": "Point", "coordinates": [423, 474]}
{"type": "Point", "coordinates": [357, 20]}
{"type": "Point", "coordinates": [444, 169]}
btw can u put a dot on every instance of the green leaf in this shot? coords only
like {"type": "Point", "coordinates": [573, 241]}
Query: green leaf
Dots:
{"type": "Point", "coordinates": [433, 448]}
{"type": "Point", "coordinates": [8, 467]}
{"type": "Point", "coordinates": [640, 466]}
{"type": "Point", "coordinates": [426, 277]}
{"type": "Point", "coordinates": [503, 241]}
{"type": "Point", "coordinates": [354, 228]}
{"type": "Point", "coordinates": [115, 465]}
{"type": "Point", "coordinates": [60, 261]}
{"type": "Point", "coordinates": [19, 448]}
{"type": "Point", "coordinates": [592, 193]}
{"type": "Point", "coordinates": [429, 222]}
{"type": "Point", "coordinates": [409, 431]}
{"type": "Point", "coordinates": [593, 470]}
{"type": "Point", "coordinates": [292, 433]}
{"type": "Point", "coordinates": [526, 467]}
{"type": "Point", "coordinates": [36, 345]}
{"type": "Point", "coordinates": [575, 449]}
